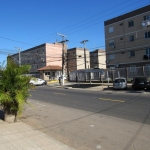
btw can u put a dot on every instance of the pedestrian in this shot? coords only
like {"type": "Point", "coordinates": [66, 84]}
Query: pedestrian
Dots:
{"type": "Point", "coordinates": [49, 77]}
{"type": "Point", "coordinates": [59, 80]}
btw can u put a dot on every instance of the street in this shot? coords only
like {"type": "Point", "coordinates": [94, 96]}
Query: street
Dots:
{"type": "Point", "coordinates": [88, 120]}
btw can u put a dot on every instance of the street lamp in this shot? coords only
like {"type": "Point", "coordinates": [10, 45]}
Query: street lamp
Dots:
{"type": "Point", "coordinates": [84, 42]}
{"type": "Point", "coordinates": [63, 54]}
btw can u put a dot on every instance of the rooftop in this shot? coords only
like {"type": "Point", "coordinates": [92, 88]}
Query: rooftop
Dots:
{"type": "Point", "coordinates": [50, 67]}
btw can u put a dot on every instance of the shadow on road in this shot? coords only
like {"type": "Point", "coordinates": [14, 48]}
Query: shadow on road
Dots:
{"type": "Point", "coordinates": [1, 115]}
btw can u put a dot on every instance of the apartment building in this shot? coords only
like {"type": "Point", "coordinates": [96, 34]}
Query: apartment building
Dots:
{"type": "Point", "coordinates": [98, 59]}
{"type": "Point", "coordinates": [127, 39]}
{"type": "Point", "coordinates": [41, 56]}
{"type": "Point", "coordinates": [76, 59]}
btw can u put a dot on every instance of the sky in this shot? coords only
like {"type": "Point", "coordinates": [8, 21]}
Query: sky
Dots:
{"type": "Point", "coordinates": [28, 23]}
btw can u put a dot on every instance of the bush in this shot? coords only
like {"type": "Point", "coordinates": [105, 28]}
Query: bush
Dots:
{"type": "Point", "coordinates": [14, 87]}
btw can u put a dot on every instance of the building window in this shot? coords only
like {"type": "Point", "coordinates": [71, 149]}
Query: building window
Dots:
{"type": "Point", "coordinates": [130, 23]}
{"type": "Point", "coordinates": [111, 29]}
{"type": "Point", "coordinates": [147, 67]}
{"type": "Point", "coordinates": [147, 35]}
{"type": "Point", "coordinates": [111, 43]}
{"type": "Point", "coordinates": [47, 73]}
{"type": "Point", "coordinates": [131, 38]}
{"type": "Point", "coordinates": [121, 24]}
{"type": "Point", "coordinates": [133, 68]}
{"type": "Point", "coordinates": [132, 53]}
{"type": "Point", "coordinates": [148, 52]}
{"type": "Point", "coordinates": [121, 38]}
{"type": "Point", "coordinates": [112, 56]}
{"type": "Point", "coordinates": [147, 17]}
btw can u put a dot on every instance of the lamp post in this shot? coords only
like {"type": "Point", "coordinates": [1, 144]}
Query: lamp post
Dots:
{"type": "Point", "coordinates": [63, 54]}
{"type": "Point", "coordinates": [84, 42]}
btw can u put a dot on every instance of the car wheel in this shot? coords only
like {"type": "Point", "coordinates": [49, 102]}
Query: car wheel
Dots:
{"type": "Point", "coordinates": [133, 87]}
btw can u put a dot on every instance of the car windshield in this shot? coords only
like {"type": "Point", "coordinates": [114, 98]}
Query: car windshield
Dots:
{"type": "Point", "coordinates": [119, 80]}
{"type": "Point", "coordinates": [142, 79]}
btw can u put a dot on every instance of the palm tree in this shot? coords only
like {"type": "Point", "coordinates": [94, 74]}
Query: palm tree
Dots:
{"type": "Point", "coordinates": [14, 87]}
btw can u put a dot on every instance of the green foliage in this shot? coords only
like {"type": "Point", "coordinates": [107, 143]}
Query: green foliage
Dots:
{"type": "Point", "coordinates": [14, 87]}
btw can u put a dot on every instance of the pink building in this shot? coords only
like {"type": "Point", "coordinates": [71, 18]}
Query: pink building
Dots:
{"type": "Point", "coordinates": [41, 56]}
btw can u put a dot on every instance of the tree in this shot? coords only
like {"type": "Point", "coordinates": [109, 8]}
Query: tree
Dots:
{"type": "Point", "coordinates": [14, 87]}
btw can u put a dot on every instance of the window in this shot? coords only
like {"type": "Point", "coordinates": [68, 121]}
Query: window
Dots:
{"type": "Point", "coordinates": [112, 56]}
{"type": "Point", "coordinates": [132, 53]}
{"type": "Point", "coordinates": [133, 68]}
{"type": "Point", "coordinates": [43, 51]}
{"type": "Point", "coordinates": [148, 52]}
{"type": "Point", "coordinates": [111, 29]}
{"type": "Point", "coordinates": [130, 23]}
{"type": "Point", "coordinates": [111, 43]}
{"type": "Point", "coordinates": [147, 35]}
{"type": "Point", "coordinates": [147, 17]}
{"type": "Point", "coordinates": [121, 38]}
{"type": "Point", "coordinates": [147, 67]}
{"type": "Point", "coordinates": [121, 24]}
{"type": "Point", "coordinates": [47, 73]}
{"type": "Point", "coordinates": [131, 38]}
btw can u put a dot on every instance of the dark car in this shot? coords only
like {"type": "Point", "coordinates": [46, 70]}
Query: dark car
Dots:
{"type": "Point", "coordinates": [140, 83]}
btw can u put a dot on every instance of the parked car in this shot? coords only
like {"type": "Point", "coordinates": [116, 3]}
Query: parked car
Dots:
{"type": "Point", "coordinates": [37, 81]}
{"type": "Point", "coordinates": [120, 83]}
{"type": "Point", "coordinates": [140, 82]}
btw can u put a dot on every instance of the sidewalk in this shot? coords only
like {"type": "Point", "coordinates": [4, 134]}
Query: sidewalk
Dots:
{"type": "Point", "coordinates": [105, 87]}
{"type": "Point", "coordinates": [20, 136]}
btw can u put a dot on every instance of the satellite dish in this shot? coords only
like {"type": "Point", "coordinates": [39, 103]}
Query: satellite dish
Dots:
{"type": "Point", "coordinates": [144, 24]}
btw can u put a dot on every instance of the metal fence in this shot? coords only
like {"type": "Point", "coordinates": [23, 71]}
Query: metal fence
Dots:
{"type": "Point", "coordinates": [104, 74]}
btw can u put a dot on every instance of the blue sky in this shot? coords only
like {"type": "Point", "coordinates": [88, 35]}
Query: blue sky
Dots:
{"type": "Point", "coordinates": [28, 23]}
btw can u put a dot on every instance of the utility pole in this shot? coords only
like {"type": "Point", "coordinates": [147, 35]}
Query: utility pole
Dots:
{"type": "Point", "coordinates": [63, 54]}
{"type": "Point", "coordinates": [84, 42]}
{"type": "Point", "coordinates": [19, 49]}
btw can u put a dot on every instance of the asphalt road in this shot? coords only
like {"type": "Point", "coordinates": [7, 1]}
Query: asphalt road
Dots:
{"type": "Point", "coordinates": [88, 120]}
{"type": "Point", "coordinates": [132, 106]}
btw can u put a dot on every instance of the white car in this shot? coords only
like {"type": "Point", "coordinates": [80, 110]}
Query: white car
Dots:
{"type": "Point", "coordinates": [37, 81]}
{"type": "Point", "coordinates": [120, 83]}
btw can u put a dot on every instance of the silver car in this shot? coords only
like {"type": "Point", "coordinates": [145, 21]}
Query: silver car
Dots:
{"type": "Point", "coordinates": [120, 83]}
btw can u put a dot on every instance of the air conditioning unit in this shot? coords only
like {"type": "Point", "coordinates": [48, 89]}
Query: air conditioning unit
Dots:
{"type": "Point", "coordinates": [147, 23]}
{"type": "Point", "coordinates": [107, 61]}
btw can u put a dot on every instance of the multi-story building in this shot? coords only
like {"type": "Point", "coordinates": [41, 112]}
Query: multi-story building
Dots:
{"type": "Point", "coordinates": [127, 39]}
{"type": "Point", "coordinates": [41, 56]}
{"type": "Point", "coordinates": [98, 59]}
{"type": "Point", "coordinates": [76, 59]}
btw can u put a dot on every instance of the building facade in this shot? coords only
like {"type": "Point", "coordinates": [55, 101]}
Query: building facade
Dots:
{"type": "Point", "coordinates": [127, 39]}
{"type": "Point", "coordinates": [41, 56]}
{"type": "Point", "coordinates": [76, 59]}
{"type": "Point", "coordinates": [98, 59]}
